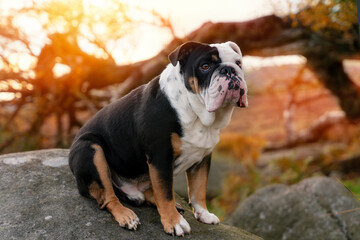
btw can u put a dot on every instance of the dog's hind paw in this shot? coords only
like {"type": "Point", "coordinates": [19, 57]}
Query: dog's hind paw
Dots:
{"type": "Point", "coordinates": [133, 224]}
{"type": "Point", "coordinates": [127, 219]}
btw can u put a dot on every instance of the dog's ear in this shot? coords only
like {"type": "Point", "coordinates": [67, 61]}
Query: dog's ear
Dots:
{"type": "Point", "coordinates": [182, 52]}
{"type": "Point", "coordinates": [234, 47]}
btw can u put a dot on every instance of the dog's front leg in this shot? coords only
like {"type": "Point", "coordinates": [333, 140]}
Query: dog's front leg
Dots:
{"type": "Point", "coordinates": [161, 176]}
{"type": "Point", "coordinates": [197, 180]}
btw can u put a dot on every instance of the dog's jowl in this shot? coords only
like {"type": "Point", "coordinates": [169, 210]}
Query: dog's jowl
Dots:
{"type": "Point", "coordinates": [131, 149]}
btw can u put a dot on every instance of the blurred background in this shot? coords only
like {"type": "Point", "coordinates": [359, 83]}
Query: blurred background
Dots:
{"type": "Point", "coordinates": [63, 60]}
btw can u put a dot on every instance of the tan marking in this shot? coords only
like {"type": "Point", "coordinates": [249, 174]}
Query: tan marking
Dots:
{"type": "Point", "coordinates": [150, 200]}
{"type": "Point", "coordinates": [176, 144]}
{"type": "Point", "coordinates": [106, 197]}
{"type": "Point", "coordinates": [194, 84]}
{"type": "Point", "coordinates": [166, 208]}
{"type": "Point", "coordinates": [197, 180]}
{"type": "Point", "coordinates": [214, 58]}
{"type": "Point", "coordinates": [149, 197]}
{"type": "Point", "coordinates": [96, 192]}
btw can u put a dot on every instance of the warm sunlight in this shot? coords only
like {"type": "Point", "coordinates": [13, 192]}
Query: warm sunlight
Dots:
{"type": "Point", "coordinates": [188, 15]}
{"type": "Point", "coordinates": [99, 35]}
{"type": "Point", "coordinates": [148, 102]}
{"type": "Point", "coordinates": [147, 39]}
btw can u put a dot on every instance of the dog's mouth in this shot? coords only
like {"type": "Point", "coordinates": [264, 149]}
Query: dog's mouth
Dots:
{"type": "Point", "coordinates": [226, 90]}
{"type": "Point", "coordinates": [242, 100]}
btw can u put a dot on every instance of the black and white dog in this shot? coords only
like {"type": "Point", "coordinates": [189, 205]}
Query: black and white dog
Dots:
{"type": "Point", "coordinates": [132, 148]}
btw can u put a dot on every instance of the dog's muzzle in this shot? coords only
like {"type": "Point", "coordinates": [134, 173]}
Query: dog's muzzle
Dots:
{"type": "Point", "coordinates": [227, 88]}
{"type": "Point", "coordinates": [236, 86]}
{"type": "Point", "coordinates": [242, 100]}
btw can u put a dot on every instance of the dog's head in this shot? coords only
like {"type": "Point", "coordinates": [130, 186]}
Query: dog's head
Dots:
{"type": "Point", "coordinates": [214, 72]}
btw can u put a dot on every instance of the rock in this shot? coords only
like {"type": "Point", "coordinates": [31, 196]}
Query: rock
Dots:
{"type": "Point", "coordinates": [39, 200]}
{"type": "Point", "coordinates": [316, 208]}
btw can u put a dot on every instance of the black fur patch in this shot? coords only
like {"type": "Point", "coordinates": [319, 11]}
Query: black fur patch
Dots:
{"type": "Point", "coordinates": [192, 56]}
{"type": "Point", "coordinates": [130, 129]}
{"type": "Point", "coordinates": [192, 68]}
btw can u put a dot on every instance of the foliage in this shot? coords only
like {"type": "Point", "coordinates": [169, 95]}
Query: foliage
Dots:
{"type": "Point", "coordinates": [325, 14]}
{"type": "Point", "coordinates": [56, 55]}
{"type": "Point", "coordinates": [236, 188]}
{"type": "Point", "coordinates": [246, 148]}
{"type": "Point", "coordinates": [320, 14]}
{"type": "Point", "coordinates": [332, 23]}
{"type": "Point", "coordinates": [97, 22]}
{"type": "Point", "coordinates": [354, 186]}
{"type": "Point", "coordinates": [288, 169]}
{"type": "Point", "coordinates": [57, 58]}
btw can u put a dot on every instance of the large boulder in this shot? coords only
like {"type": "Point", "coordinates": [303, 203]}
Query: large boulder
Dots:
{"type": "Point", "coordinates": [316, 208]}
{"type": "Point", "coordinates": [39, 200]}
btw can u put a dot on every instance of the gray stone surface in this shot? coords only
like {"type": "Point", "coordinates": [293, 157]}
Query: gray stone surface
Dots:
{"type": "Point", "coordinates": [39, 200]}
{"type": "Point", "coordinates": [316, 208]}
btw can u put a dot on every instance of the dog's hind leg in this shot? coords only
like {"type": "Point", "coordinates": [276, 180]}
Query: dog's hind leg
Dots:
{"type": "Point", "coordinates": [106, 196]}
{"type": "Point", "coordinates": [93, 178]}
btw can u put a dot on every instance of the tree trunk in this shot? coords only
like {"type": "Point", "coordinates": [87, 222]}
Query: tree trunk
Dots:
{"type": "Point", "coordinates": [331, 73]}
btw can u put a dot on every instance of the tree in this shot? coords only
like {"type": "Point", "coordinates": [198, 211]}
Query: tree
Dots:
{"type": "Point", "coordinates": [325, 32]}
{"type": "Point", "coordinates": [65, 24]}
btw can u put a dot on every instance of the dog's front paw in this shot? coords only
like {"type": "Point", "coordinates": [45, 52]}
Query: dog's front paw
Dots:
{"type": "Point", "coordinates": [177, 228]}
{"type": "Point", "coordinates": [205, 216]}
{"type": "Point", "coordinates": [127, 219]}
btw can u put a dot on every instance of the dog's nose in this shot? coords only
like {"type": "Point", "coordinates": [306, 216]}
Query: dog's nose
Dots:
{"type": "Point", "coordinates": [227, 70]}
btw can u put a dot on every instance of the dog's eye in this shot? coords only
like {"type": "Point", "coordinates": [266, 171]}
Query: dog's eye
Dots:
{"type": "Point", "coordinates": [205, 66]}
{"type": "Point", "coordinates": [238, 62]}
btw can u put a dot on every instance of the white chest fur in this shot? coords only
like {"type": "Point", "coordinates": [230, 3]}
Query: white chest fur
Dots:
{"type": "Point", "coordinates": [197, 142]}
{"type": "Point", "coordinates": [201, 128]}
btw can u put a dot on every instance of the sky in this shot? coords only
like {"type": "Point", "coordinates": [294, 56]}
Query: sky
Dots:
{"type": "Point", "coordinates": [185, 16]}
{"type": "Point", "coordinates": [188, 15]}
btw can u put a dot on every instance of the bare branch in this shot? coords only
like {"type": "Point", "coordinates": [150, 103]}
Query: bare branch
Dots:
{"type": "Point", "coordinates": [312, 133]}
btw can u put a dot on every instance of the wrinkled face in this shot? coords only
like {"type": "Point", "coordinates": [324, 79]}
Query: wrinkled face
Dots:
{"type": "Point", "coordinates": [213, 72]}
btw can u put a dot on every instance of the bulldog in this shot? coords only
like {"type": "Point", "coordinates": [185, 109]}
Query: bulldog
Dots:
{"type": "Point", "coordinates": [132, 148]}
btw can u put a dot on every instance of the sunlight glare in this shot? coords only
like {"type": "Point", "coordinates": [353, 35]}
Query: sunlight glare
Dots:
{"type": "Point", "coordinates": [26, 62]}
{"type": "Point", "coordinates": [14, 84]}
{"type": "Point", "coordinates": [6, 96]}
{"type": "Point", "coordinates": [147, 39]}
{"type": "Point", "coordinates": [94, 3]}
{"type": "Point", "coordinates": [60, 70]}
{"type": "Point", "coordinates": [5, 86]}
{"type": "Point", "coordinates": [251, 62]}
{"type": "Point", "coordinates": [100, 28]}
